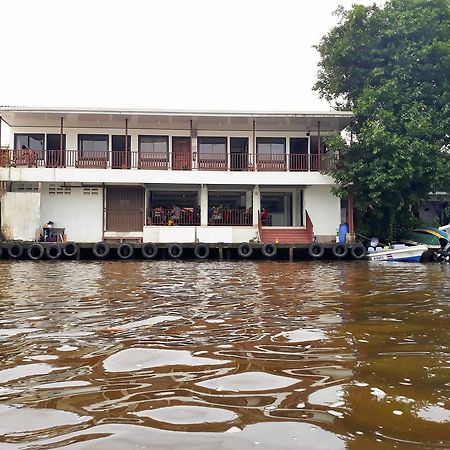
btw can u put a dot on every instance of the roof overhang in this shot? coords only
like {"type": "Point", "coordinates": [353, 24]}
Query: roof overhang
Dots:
{"type": "Point", "coordinates": [158, 119]}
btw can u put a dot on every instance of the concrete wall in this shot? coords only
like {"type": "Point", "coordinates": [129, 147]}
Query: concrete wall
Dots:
{"type": "Point", "coordinates": [20, 215]}
{"type": "Point", "coordinates": [78, 210]}
{"type": "Point", "coordinates": [324, 209]}
{"type": "Point", "coordinates": [228, 235]}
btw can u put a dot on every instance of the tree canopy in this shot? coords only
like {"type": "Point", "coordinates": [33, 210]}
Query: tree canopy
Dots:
{"type": "Point", "coordinates": [391, 66]}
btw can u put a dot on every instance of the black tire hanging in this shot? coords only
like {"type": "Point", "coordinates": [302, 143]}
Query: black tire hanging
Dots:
{"type": "Point", "coordinates": [15, 250]}
{"type": "Point", "coordinates": [35, 251]}
{"type": "Point", "coordinates": [101, 250]}
{"type": "Point", "coordinates": [149, 250]}
{"type": "Point", "coordinates": [358, 251]}
{"type": "Point", "coordinates": [125, 251]}
{"type": "Point", "coordinates": [269, 250]}
{"type": "Point", "coordinates": [70, 249]}
{"type": "Point", "coordinates": [245, 250]}
{"type": "Point", "coordinates": [53, 251]}
{"type": "Point", "coordinates": [175, 251]}
{"type": "Point", "coordinates": [316, 250]}
{"type": "Point", "coordinates": [339, 250]}
{"type": "Point", "coordinates": [201, 251]}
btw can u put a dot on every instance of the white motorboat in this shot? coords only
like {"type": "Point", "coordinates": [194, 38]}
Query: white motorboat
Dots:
{"type": "Point", "coordinates": [398, 252]}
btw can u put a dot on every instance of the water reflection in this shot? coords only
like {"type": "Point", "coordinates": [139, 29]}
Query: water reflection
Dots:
{"type": "Point", "coordinates": [233, 354]}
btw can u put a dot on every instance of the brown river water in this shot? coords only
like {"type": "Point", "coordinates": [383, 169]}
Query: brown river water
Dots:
{"type": "Point", "coordinates": [224, 355]}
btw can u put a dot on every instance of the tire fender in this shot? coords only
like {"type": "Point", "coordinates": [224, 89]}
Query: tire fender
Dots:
{"type": "Point", "coordinates": [269, 250]}
{"type": "Point", "coordinates": [175, 251]}
{"type": "Point", "coordinates": [125, 251]}
{"type": "Point", "coordinates": [339, 250]}
{"type": "Point", "coordinates": [101, 250]}
{"type": "Point", "coordinates": [53, 251]}
{"type": "Point", "coordinates": [70, 249]}
{"type": "Point", "coordinates": [316, 250]}
{"type": "Point", "coordinates": [358, 251]}
{"type": "Point", "coordinates": [245, 250]}
{"type": "Point", "coordinates": [15, 250]}
{"type": "Point", "coordinates": [35, 251]}
{"type": "Point", "coordinates": [201, 251]}
{"type": "Point", "coordinates": [149, 250]}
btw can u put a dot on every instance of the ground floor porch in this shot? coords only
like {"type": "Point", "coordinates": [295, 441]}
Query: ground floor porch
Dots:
{"type": "Point", "coordinates": [170, 213]}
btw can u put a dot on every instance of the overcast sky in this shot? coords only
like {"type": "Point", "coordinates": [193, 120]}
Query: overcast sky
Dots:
{"type": "Point", "coordinates": [167, 54]}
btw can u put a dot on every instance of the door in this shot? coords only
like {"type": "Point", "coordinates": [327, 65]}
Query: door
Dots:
{"type": "Point", "coordinates": [299, 154]}
{"type": "Point", "coordinates": [239, 153]}
{"type": "Point", "coordinates": [124, 208]}
{"type": "Point", "coordinates": [181, 153]}
{"type": "Point", "coordinates": [121, 157]}
{"type": "Point", "coordinates": [56, 156]}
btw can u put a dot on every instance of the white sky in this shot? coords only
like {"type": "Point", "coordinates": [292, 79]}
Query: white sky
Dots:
{"type": "Point", "coordinates": [166, 54]}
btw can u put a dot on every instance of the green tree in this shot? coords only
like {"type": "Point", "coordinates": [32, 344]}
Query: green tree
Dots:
{"type": "Point", "coordinates": [391, 66]}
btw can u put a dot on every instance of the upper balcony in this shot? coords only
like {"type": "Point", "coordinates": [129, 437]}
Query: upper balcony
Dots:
{"type": "Point", "coordinates": [163, 161]}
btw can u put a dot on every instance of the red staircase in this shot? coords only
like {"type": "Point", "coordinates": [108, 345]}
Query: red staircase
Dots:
{"type": "Point", "coordinates": [288, 235]}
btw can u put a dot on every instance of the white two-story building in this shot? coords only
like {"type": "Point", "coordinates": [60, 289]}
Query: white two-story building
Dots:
{"type": "Point", "coordinates": [168, 176]}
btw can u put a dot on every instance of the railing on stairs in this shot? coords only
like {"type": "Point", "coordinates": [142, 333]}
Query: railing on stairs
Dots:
{"type": "Point", "coordinates": [309, 226]}
{"type": "Point", "coordinates": [259, 226]}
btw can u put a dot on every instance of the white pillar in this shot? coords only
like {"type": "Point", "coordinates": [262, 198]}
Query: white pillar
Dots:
{"type": "Point", "coordinates": [204, 205]}
{"type": "Point", "coordinates": [296, 207]}
{"type": "Point", "coordinates": [288, 153]}
{"type": "Point", "coordinates": [256, 204]}
{"type": "Point", "coordinates": [248, 199]}
{"type": "Point", "coordinates": [228, 150]}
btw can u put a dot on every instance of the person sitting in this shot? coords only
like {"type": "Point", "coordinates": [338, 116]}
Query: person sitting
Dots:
{"type": "Point", "coordinates": [160, 216]}
{"type": "Point", "coordinates": [176, 214]}
{"type": "Point", "coordinates": [265, 217]}
{"type": "Point", "coordinates": [29, 156]}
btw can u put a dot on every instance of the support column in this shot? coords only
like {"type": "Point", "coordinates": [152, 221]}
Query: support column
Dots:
{"type": "Point", "coordinates": [126, 144]}
{"type": "Point", "coordinates": [204, 205]}
{"type": "Point", "coordinates": [193, 133]}
{"type": "Point", "coordinates": [309, 151]}
{"type": "Point", "coordinates": [248, 199]}
{"type": "Point", "coordinates": [256, 204]}
{"type": "Point", "coordinates": [350, 214]}
{"type": "Point", "coordinates": [288, 154]}
{"type": "Point", "coordinates": [296, 207]}
{"type": "Point", "coordinates": [61, 143]}
{"type": "Point", "coordinates": [254, 162]}
{"type": "Point", "coordinates": [318, 145]}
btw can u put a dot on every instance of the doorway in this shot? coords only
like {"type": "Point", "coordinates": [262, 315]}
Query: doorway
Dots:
{"type": "Point", "coordinates": [181, 153]}
{"type": "Point", "coordinates": [299, 160]}
{"type": "Point", "coordinates": [238, 154]}
{"type": "Point", "coordinates": [278, 208]}
{"type": "Point", "coordinates": [56, 156]}
{"type": "Point", "coordinates": [124, 208]}
{"type": "Point", "coordinates": [121, 157]}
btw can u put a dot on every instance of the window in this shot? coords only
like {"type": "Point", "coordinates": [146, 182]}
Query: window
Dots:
{"type": "Point", "coordinates": [153, 144]}
{"type": "Point", "coordinates": [212, 145]}
{"type": "Point", "coordinates": [270, 146]}
{"type": "Point", "coordinates": [30, 141]}
{"type": "Point", "coordinates": [93, 143]}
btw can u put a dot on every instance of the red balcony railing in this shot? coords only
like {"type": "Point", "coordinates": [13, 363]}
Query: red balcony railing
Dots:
{"type": "Point", "coordinates": [271, 162]}
{"type": "Point", "coordinates": [212, 161]}
{"type": "Point", "coordinates": [219, 216]}
{"type": "Point", "coordinates": [173, 216]}
{"type": "Point", "coordinates": [246, 162]}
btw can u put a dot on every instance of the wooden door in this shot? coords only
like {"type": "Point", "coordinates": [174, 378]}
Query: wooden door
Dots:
{"type": "Point", "coordinates": [56, 156]}
{"type": "Point", "coordinates": [121, 158]}
{"type": "Point", "coordinates": [181, 153]}
{"type": "Point", "coordinates": [124, 208]}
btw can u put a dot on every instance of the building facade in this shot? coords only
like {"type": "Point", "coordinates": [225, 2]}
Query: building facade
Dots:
{"type": "Point", "coordinates": [164, 177]}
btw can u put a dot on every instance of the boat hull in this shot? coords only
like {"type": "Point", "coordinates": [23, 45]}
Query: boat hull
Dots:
{"type": "Point", "coordinates": [406, 254]}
